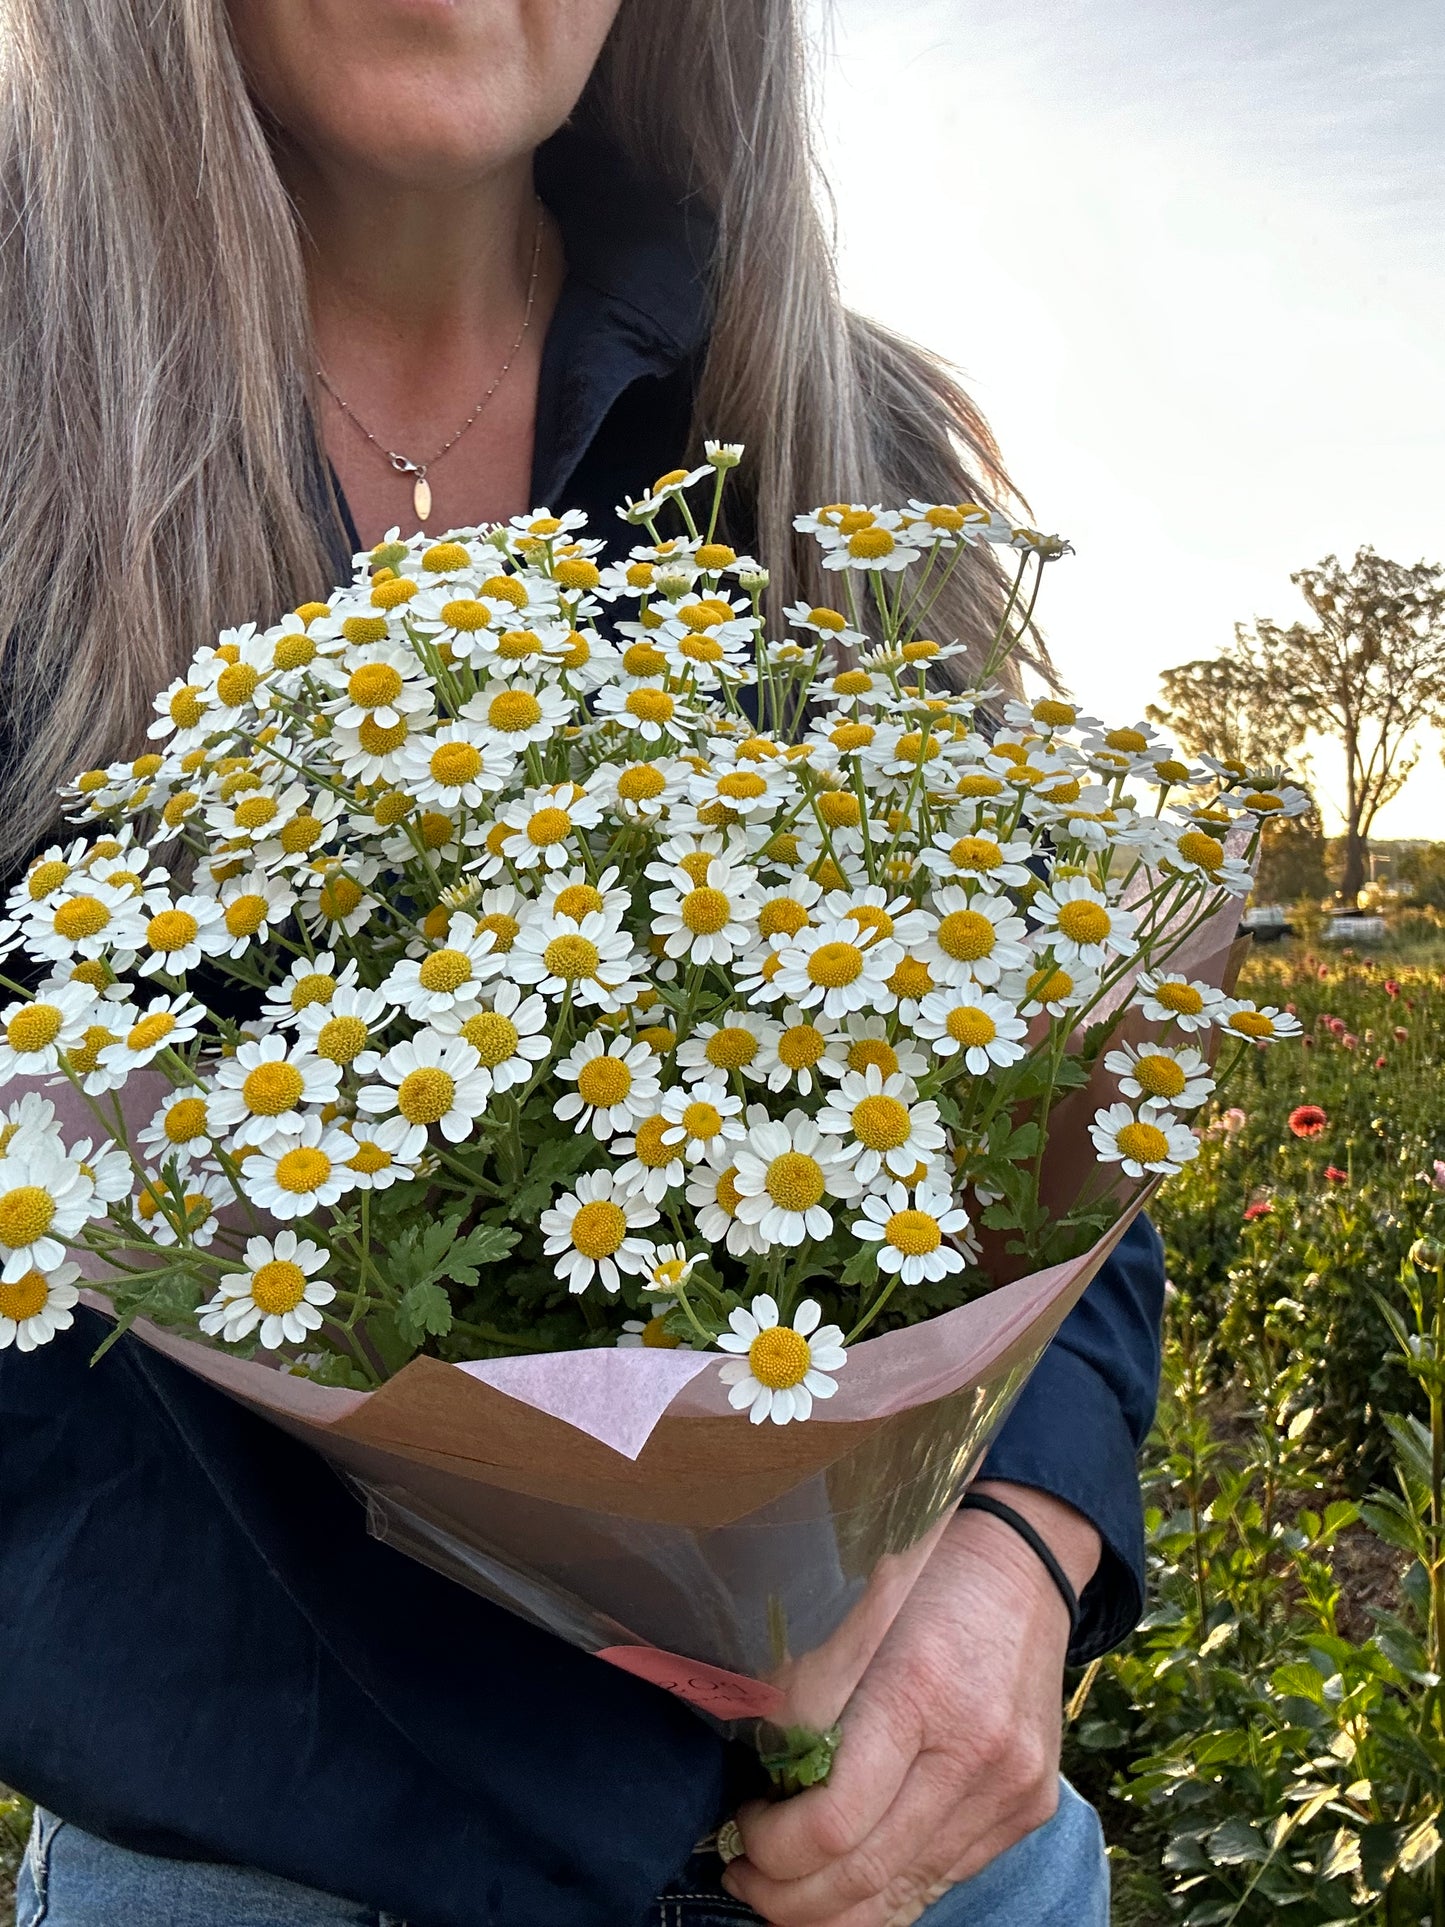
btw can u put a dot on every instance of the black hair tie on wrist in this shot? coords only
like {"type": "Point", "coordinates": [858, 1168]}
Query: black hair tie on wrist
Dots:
{"type": "Point", "coordinates": [986, 1502]}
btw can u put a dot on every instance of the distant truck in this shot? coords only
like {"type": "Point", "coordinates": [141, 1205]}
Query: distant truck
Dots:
{"type": "Point", "coordinates": [1266, 922]}
{"type": "Point", "coordinates": [1355, 926]}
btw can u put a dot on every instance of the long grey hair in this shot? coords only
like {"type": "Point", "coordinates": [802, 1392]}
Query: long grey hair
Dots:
{"type": "Point", "coordinates": [156, 466]}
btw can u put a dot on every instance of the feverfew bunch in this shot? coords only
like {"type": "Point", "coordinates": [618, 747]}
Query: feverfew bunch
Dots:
{"type": "Point", "coordinates": [534, 952]}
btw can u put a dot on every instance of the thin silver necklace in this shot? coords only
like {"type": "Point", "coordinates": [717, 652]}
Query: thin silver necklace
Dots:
{"type": "Point", "coordinates": [403, 464]}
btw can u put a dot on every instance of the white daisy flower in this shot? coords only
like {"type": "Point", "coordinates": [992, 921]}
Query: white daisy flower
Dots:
{"type": "Point", "coordinates": [251, 811]}
{"type": "Point", "coordinates": [672, 1266]}
{"type": "Point", "coordinates": [876, 914]}
{"type": "Point", "coordinates": [828, 967]}
{"type": "Point", "coordinates": [179, 932]}
{"type": "Point", "coordinates": [37, 1305]}
{"type": "Point", "coordinates": [592, 1227]}
{"type": "Point", "coordinates": [708, 921]}
{"type": "Point", "coordinates": [384, 684]}
{"type": "Point", "coordinates": [510, 1034]}
{"type": "Point", "coordinates": [33, 1034]}
{"type": "Point", "coordinates": [190, 1210]}
{"type": "Point", "coordinates": [430, 1079]}
{"type": "Point", "coordinates": [1142, 1140]}
{"type": "Point", "coordinates": [1161, 1074]}
{"type": "Point", "coordinates": [737, 1046]}
{"type": "Point", "coordinates": [882, 1123]}
{"type": "Point", "coordinates": [1081, 925]}
{"type": "Point", "coordinates": [1052, 989]}
{"type": "Point", "coordinates": [704, 1119]}
{"type": "Point", "coordinates": [514, 712]}
{"type": "Point", "coordinates": [784, 1367]}
{"type": "Point", "coordinates": [45, 1198]}
{"type": "Point", "coordinates": [978, 938]}
{"type": "Point", "coordinates": [30, 1117]}
{"type": "Point", "coordinates": [165, 1024]}
{"type": "Point", "coordinates": [713, 1193]}
{"type": "Point", "coordinates": [589, 959]}
{"type": "Point", "coordinates": [784, 1172]}
{"type": "Point", "coordinates": [372, 752]}
{"type": "Point", "coordinates": [983, 1028]}
{"type": "Point", "coordinates": [308, 981]}
{"type": "Point", "coordinates": [652, 1333]}
{"type": "Point", "coordinates": [805, 1045]}
{"type": "Point", "coordinates": [910, 1230]}
{"type": "Point", "coordinates": [251, 906]}
{"type": "Point", "coordinates": [184, 713]}
{"type": "Point", "coordinates": [882, 544]}
{"type": "Point", "coordinates": [383, 1154]}
{"type": "Point", "coordinates": [653, 1167]}
{"type": "Point", "coordinates": [1168, 999]}
{"type": "Point", "coordinates": [294, 1176]}
{"type": "Point", "coordinates": [979, 858]}
{"type": "Point", "coordinates": [180, 1130]}
{"type": "Point", "coordinates": [866, 1041]}
{"type": "Point", "coordinates": [261, 1091]}
{"type": "Point", "coordinates": [617, 1085]}
{"type": "Point", "coordinates": [1244, 1019]}
{"type": "Point", "coordinates": [457, 973]}
{"type": "Point", "coordinates": [278, 1292]}
{"type": "Point", "coordinates": [336, 898]}
{"type": "Point", "coordinates": [341, 1030]}
{"type": "Point", "coordinates": [109, 1168]}
{"type": "Point", "coordinates": [648, 710]}
{"type": "Point", "coordinates": [300, 840]}
{"type": "Point", "coordinates": [643, 791]}
{"type": "Point", "coordinates": [99, 920]}
{"type": "Point", "coordinates": [544, 825]}
{"type": "Point", "coordinates": [455, 767]}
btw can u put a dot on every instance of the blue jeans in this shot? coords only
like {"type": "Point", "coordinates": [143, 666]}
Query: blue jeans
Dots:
{"type": "Point", "coordinates": [1056, 1876]}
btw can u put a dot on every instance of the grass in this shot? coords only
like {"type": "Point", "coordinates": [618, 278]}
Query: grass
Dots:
{"type": "Point", "coordinates": [14, 1826]}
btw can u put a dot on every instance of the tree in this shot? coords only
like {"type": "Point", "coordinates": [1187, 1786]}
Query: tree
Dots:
{"type": "Point", "coordinates": [1369, 670]}
{"type": "Point", "coordinates": [1222, 706]}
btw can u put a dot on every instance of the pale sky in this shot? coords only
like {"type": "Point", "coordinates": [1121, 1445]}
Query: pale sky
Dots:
{"type": "Point", "coordinates": [1191, 261]}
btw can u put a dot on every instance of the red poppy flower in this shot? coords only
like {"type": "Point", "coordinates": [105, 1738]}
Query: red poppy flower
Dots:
{"type": "Point", "coordinates": [1392, 989]}
{"type": "Point", "coordinates": [1380, 1063]}
{"type": "Point", "coordinates": [1308, 1120]}
{"type": "Point", "coordinates": [1261, 1208]}
{"type": "Point", "coordinates": [1336, 1175]}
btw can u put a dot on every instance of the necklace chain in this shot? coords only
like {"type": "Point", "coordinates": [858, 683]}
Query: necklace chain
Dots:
{"type": "Point", "coordinates": [403, 464]}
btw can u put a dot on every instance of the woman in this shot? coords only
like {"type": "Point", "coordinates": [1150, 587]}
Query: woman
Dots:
{"type": "Point", "coordinates": [268, 266]}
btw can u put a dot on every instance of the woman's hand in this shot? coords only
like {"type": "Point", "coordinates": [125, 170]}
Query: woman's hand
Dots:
{"type": "Point", "coordinates": [950, 1743]}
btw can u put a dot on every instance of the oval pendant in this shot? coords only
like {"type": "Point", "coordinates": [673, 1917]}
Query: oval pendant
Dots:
{"type": "Point", "coordinates": [421, 498]}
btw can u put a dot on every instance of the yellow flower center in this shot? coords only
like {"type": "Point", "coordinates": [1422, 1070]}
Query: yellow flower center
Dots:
{"type": "Point", "coordinates": [1158, 1075]}
{"type": "Point", "coordinates": [81, 917]}
{"type": "Point", "coordinates": [391, 593]}
{"type": "Point", "coordinates": [794, 1181]}
{"type": "Point", "coordinates": [1049, 985]}
{"type": "Point", "coordinates": [302, 1170]}
{"type": "Point", "coordinates": [25, 1298]}
{"type": "Point", "coordinates": [35, 1028]}
{"type": "Point", "coordinates": [979, 783]}
{"type": "Point", "coordinates": [237, 684]}
{"type": "Point", "coordinates": [301, 833]}
{"type": "Point", "coordinates": [278, 1286]}
{"type": "Point", "coordinates": [650, 1149]}
{"type": "Point", "coordinates": [698, 616]}
{"type": "Point", "coordinates": [185, 1120]}
{"type": "Point", "coordinates": [444, 971]}
{"type": "Point", "coordinates": [500, 588]}
{"type": "Point", "coordinates": [872, 1050]}
{"type": "Point", "coordinates": [338, 898]}
{"type": "Point", "coordinates": [492, 1036]}
{"type": "Point", "coordinates": [780, 1357]}
{"type": "Point", "coordinates": [444, 558]}
{"type": "Point", "coordinates": [272, 1088]}
{"type": "Point", "coordinates": [914, 1233]}
{"type": "Point", "coordinates": [1196, 847]}
{"type": "Point", "coordinates": [1252, 1023]}
{"type": "Point", "coordinates": [782, 916]}
{"type": "Point", "coordinates": [369, 1158]}
{"type": "Point", "coordinates": [255, 812]}
{"type": "Point", "coordinates": [150, 1030]}
{"type": "Point", "coordinates": [364, 629]}
{"type": "Point", "coordinates": [316, 987]}
{"type": "Point", "coordinates": [872, 920]}
{"type": "Point", "coordinates": [578, 573]}
{"type": "Point", "coordinates": [835, 964]}
{"type": "Point", "coordinates": [84, 1056]}
{"type": "Point", "coordinates": [823, 618]}
{"type": "Point", "coordinates": [294, 652]}
{"type": "Point", "coordinates": [705, 911]}
{"type": "Point", "coordinates": [971, 1028]}
{"type": "Point", "coordinates": [1132, 740]}
{"type": "Point", "coordinates": [911, 978]}
{"type": "Point", "coordinates": [670, 480]}
{"type": "Point", "coordinates": [599, 1228]}
{"type": "Point", "coordinates": [650, 705]}
{"type": "Point", "coordinates": [839, 809]}
{"type": "Point", "coordinates": [504, 929]}
{"type": "Point", "coordinates": [549, 826]}
{"type": "Point", "coordinates": [728, 1195]}
{"type": "Point", "coordinates": [514, 710]}
{"type": "Point", "coordinates": [465, 613]}
{"type": "Point", "coordinates": [245, 915]}
{"type": "Point", "coordinates": [1054, 715]}
{"type": "Point", "coordinates": [871, 545]}
{"type": "Point", "coordinates": [426, 1095]}
{"type": "Point", "coordinates": [604, 1081]}
{"type": "Point", "coordinates": [453, 764]}
{"type": "Point", "coordinates": [26, 1214]}
{"type": "Point", "coordinates": [966, 935]}
{"type": "Point", "coordinates": [341, 1040]}
{"type": "Point", "coordinates": [1083, 921]}
{"type": "Point", "coordinates": [374, 684]}
{"type": "Point", "coordinates": [731, 1048]}
{"type": "Point", "coordinates": [185, 707]}
{"type": "Point", "coordinates": [46, 877]}
{"type": "Point", "coordinates": [309, 611]}
{"type": "Point", "coordinates": [640, 783]}
{"type": "Point", "coordinates": [1169, 770]}
{"type": "Point", "coordinates": [1145, 1143]}
{"type": "Point", "coordinates": [519, 645]}
{"type": "Point", "coordinates": [742, 783]}
{"type": "Point", "coordinates": [571, 957]}
{"type": "Point", "coordinates": [975, 853]}
{"type": "Point", "coordinates": [171, 930]}
{"type": "Point", "coordinates": [881, 1123]}
{"type": "Point", "coordinates": [1183, 999]}
{"type": "Point", "coordinates": [179, 808]}
{"type": "Point", "coordinates": [656, 1336]}
{"type": "Point", "coordinates": [641, 659]}
{"type": "Point", "coordinates": [702, 1120]}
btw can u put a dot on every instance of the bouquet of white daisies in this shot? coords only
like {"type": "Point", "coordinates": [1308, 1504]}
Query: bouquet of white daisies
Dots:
{"type": "Point", "coordinates": [521, 954]}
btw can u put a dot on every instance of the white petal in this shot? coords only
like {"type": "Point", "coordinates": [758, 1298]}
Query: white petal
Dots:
{"type": "Point", "coordinates": [807, 1316]}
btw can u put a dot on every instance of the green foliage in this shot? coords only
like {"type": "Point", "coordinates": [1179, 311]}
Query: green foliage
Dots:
{"type": "Point", "coordinates": [14, 1827]}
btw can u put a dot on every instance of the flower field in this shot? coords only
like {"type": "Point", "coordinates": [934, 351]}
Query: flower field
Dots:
{"type": "Point", "coordinates": [1272, 1742]}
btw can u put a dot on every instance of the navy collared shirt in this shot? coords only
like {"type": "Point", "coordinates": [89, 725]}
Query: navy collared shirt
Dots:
{"type": "Point", "coordinates": [204, 1654]}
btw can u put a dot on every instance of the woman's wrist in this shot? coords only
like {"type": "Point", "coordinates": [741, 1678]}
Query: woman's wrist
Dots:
{"type": "Point", "coordinates": [1072, 1539]}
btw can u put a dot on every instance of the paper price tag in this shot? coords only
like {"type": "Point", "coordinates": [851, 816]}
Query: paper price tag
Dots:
{"type": "Point", "coordinates": [727, 1696]}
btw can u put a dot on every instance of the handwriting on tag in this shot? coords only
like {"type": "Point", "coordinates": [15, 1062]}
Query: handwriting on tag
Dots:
{"type": "Point", "coordinates": [727, 1696]}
